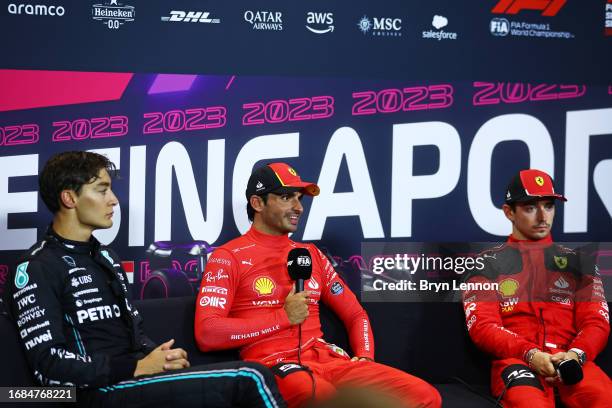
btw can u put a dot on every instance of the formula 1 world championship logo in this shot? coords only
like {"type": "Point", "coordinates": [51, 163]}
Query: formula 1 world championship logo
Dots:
{"type": "Point", "coordinates": [549, 8]}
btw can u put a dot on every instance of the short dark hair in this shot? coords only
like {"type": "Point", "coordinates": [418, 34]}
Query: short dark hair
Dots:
{"type": "Point", "coordinates": [70, 171]}
{"type": "Point", "coordinates": [251, 210]}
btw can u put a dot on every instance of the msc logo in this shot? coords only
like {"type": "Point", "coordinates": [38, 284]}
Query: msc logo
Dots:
{"type": "Point", "coordinates": [549, 7]}
{"type": "Point", "coordinates": [190, 17]}
{"type": "Point", "coordinates": [320, 19]}
{"type": "Point", "coordinates": [387, 24]}
{"type": "Point", "coordinates": [381, 26]}
{"type": "Point", "coordinates": [500, 27]}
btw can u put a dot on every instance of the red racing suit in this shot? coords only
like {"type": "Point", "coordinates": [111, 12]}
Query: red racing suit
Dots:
{"type": "Point", "coordinates": [240, 305]}
{"type": "Point", "coordinates": [549, 297]}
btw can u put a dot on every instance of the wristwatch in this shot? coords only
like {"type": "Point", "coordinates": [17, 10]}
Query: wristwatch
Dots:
{"type": "Point", "coordinates": [530, 354]}
{"type": "Point", "coordinates": [581, 355]}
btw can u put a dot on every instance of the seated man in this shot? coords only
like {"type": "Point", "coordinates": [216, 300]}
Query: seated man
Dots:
{"type": "Point", "coordinates": [247, 300]}
{"type": "Point", "coordinates": [78, 326]}
{"type": "Point", "coordinates": [549, 307]}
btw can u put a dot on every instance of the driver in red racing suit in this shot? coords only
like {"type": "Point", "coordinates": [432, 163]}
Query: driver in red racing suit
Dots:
{"type": "Point", "coordinates": [549, 307]}
{"type": "Point", "coordinates": [247, 301]}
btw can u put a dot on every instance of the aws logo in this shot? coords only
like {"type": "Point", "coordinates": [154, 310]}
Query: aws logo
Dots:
{"type": "Point", "coordinates": [549, 8]}
{"type": "Point", "coordinates": [320, 23]}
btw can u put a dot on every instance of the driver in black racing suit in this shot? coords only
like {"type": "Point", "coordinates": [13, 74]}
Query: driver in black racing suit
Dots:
{"type": "Point", "coordinates": [70, 300]}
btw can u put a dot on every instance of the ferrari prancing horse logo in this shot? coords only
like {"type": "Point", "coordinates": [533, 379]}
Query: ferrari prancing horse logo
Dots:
{"type": "Point", "coordinates": [561, 261]}
{"type": "Point", "coordinates": [539, 181]}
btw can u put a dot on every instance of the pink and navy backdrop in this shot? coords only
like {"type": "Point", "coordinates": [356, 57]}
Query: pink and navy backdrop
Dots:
{"type": "Point", "coordinates": [410, 117]}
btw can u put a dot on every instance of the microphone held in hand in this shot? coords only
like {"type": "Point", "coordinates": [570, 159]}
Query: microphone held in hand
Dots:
{"type": "Point", "coordinates": [299, 266]}
{"type": "Point", "coordinates": [570, 372]}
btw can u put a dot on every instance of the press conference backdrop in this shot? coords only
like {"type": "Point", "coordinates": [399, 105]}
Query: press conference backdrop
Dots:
{"type": "Point", "coordinates": [411, 117]}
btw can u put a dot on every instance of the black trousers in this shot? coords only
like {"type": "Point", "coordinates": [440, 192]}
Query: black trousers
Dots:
{"type": "Point", "coordinates": [235, 384]}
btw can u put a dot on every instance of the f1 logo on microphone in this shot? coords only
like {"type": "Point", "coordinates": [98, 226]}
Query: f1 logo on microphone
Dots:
{"type": "Point", "coordinates": [549, 7]}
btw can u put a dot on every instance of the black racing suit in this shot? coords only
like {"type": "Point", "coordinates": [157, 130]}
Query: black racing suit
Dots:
{"type": "Point", "coordinates": [72, 307]}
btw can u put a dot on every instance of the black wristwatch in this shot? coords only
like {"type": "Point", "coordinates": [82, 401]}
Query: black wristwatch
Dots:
{"type": "Point", "coordinates": [581, 355]}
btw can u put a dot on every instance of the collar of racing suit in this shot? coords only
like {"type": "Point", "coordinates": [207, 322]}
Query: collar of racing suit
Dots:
{"type": "Point", "coordinates": [267, 240]}
{"type": "Point", "coordinates": [81, 247]}
{"type": "Point", "coordinates": [530, 244]}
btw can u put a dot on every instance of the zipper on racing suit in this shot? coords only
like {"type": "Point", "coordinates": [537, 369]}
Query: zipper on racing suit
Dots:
{"type": "Point", "coordinates": [543, 329]}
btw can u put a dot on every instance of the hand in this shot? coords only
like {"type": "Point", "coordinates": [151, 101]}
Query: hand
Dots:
{"type": "Point", "coordinates": [176, 358]}
{"type": "Point", "coordinates": [161, 359]}
{"type": "Point", "coordinates": [560, 356]}
{"type": "Point", "coordinates": [541, 363]}
{"type": "Point", "coordinates": [361, 359]}
{"type": "Point", "coordinates": [296, 306]}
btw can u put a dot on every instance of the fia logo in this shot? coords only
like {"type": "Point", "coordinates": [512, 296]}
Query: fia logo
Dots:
{"type": "Point", "coordinates": [500, 27]}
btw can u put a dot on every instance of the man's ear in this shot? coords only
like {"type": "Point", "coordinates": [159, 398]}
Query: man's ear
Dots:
{"type": "Point", "coordinates": [68, 198]}
{"type": "Point", "coordinates": [508, 212]}
{"type": "Point", "coordinates": [257, 203]}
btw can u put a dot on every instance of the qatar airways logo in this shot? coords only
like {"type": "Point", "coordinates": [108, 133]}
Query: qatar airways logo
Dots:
{"type": "Point", "coordinates": [264, 20]}
{"type": "Point", "coordinates": [36, 10]}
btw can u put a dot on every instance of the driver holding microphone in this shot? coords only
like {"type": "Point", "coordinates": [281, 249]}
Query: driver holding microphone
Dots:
{"type": "Point", "coordinates": [549, 318]}
{"type": "Point", "coordinates": [251, 298]}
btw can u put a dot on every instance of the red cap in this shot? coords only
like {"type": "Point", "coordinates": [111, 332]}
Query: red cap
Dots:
{"type": "Point", "coordinates": [278, 178]}
{"type": "Point", "coordinates": [531, 184]}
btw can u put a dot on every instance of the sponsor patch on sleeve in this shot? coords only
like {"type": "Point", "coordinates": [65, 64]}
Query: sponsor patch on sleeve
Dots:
{"type": "Point", "coordinates": [336, 288]}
